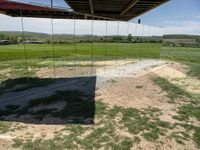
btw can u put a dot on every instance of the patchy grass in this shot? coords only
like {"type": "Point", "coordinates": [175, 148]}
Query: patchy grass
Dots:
{"type": "Point", "coordinates": [147, 120]}
{"type": "Point", "coordinates": [191, 109]}
{"type": "Point", "coordinates": [103, 133]}
{"type": "Point", "coordinates": [4, 127]}
{"type": "Point", "coordinates": [173, 92]}
{"type": "Point", "coordinates": [115, 127]}
{"type": "Point", "coordinates": [194, 70]}
{"type": "Point", "coordinates": [191, 129]}
{"type": "Point", "coordinates": [181, 137]}
{"type": "Point", "coordinates": [188, 111]}
{"type": "Point", "coordinates": [185, 112]}
{"type": "Point", "coordinates": [196, 136]}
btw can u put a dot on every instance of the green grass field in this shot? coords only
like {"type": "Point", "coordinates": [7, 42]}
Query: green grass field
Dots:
{"type": "Point", "coordinates": [39, 56]}
{"type": "Point", "coordinates": [185, 54]}
{"type": "Point", "coordinates": [84, 50]}
{"type": "Point", "coordinates": [99, 50]}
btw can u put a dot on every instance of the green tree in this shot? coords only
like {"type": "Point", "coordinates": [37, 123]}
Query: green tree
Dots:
{"type": "Point", "coordinates": [129, 38]}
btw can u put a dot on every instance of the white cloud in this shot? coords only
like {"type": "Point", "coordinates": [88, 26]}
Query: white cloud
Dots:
{"type": "Point", "coordinates": [65, 26]}
{"type": "Point", "coordinates": [184, 27]}
{"type": "Point", "coordinates": [198, 16]}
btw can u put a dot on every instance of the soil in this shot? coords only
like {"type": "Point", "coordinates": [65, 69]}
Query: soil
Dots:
{"type": "Point", "coordinates": [129, 84]}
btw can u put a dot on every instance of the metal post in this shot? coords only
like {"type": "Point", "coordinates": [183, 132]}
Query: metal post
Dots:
{"type": "Point", "coordinates": [92, 47]}
{"type": "Point", "coordinates": [126, 55]}
{"type": "Point", "coordinates": [23, 39]}
{"type": "Point", "coordinates": [106, 45]}
{"type": "Point", "coordinates": [136, 30]}
{"type": "Point", "coordinates": [75, 50]}
{"type": "Point", "coordinates": [117, 46]}
{"type": "Point", "coordinates": [52, 42]}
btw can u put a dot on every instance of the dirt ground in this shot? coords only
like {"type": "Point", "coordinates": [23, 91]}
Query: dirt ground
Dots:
{"type": "Point", "coordinates": [124, 87]}
{"type": "Point", "coordinates": [81, 68]}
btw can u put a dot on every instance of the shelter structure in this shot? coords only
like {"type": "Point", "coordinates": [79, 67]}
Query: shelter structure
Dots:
{"type": "Point", "coordinates": [121, 10]}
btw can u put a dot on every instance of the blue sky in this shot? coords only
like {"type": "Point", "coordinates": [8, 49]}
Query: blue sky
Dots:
{"type": "Point", "coordinates": [173, 11]}
{"type": "Point", "coordinates": [181, 16]}
{"type": "Point", "coordinates": [176, 16]}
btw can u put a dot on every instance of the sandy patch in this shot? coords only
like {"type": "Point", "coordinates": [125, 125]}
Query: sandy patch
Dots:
{"type": "Point", "coordinates": [114, 62]}
{"type": "Point", "coordinates": [64, 72]}
{"type": "Point", "coordinates": [167, 145]}
{"type": "Point", "coordinates": [132, 92]}
{"type": "Point", "coordinates": [5, 71]}
{"type": "Point", "coordinates": [177, 74]}
{"type": "Point", "coordinates": [137, 93]}
{"type": "Point", "coordinates": [84, 63]}
{"type": "Point", "coordinates": [189, 84]}
{"type": "Point", "coordinates": [36, 131]}
{"type": "Point", "coordinates": [80, 68]}
{"type": "Point", "coordinates": [167, 72]}
{"type": "Point", "coordinates": [166, 142]}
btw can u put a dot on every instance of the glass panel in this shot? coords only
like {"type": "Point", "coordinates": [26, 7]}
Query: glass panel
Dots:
{"type": "Point", "coordinates": [12, 54]}
{"type": "Point", "coordinates": [38, 45]}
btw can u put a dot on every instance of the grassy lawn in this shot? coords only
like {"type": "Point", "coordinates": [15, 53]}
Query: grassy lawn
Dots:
{"type": "Point", "coordinates": [144, 123]}
{"type": "Point", "coordinates": [184, 54]}
{"type": "Point", "coordinates": [144, 50]}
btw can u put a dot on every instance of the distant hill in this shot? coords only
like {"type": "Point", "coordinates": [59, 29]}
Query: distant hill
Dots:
{"type": "Point", "coordinates": [36, 36]}
{"type": "Point", "coordinates": [179, 36]}
{"type": "Point", "coordinates": [17, 37]}
{"type": "Point", "coordinates": [181, 40]}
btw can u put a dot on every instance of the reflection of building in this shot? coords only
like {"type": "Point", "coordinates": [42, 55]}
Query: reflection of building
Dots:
{"type": "Point", "coordinates": [33, 42]}
{"type": "Point", "coordinates": [4, 42]}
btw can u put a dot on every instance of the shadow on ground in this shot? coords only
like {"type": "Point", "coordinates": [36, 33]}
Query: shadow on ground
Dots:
{"type": "Point", "coordinates": [48, 101]}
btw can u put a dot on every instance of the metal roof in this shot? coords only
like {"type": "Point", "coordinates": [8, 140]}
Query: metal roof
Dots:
{"type": "Point", "coordinates": [123, 10]}
{"type": "Point", "coordinates": [17, 9]}
{"type": "Point", "coordinates": [115, 9]}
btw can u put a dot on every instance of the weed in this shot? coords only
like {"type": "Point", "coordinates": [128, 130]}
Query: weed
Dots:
{"type": "Point", "coordinates": [139, 86]}
{"type": "Point", "coordinates": [4, 127]}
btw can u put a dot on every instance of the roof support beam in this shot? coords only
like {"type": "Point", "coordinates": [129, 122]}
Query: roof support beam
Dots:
{"type": "Point", "coordinates": [91, 7]}
{"type": "Point", "coordinates": [129, 7]}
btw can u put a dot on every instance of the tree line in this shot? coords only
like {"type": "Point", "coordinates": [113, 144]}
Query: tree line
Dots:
{"type": "Point", "coordinates": [67, 39]}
